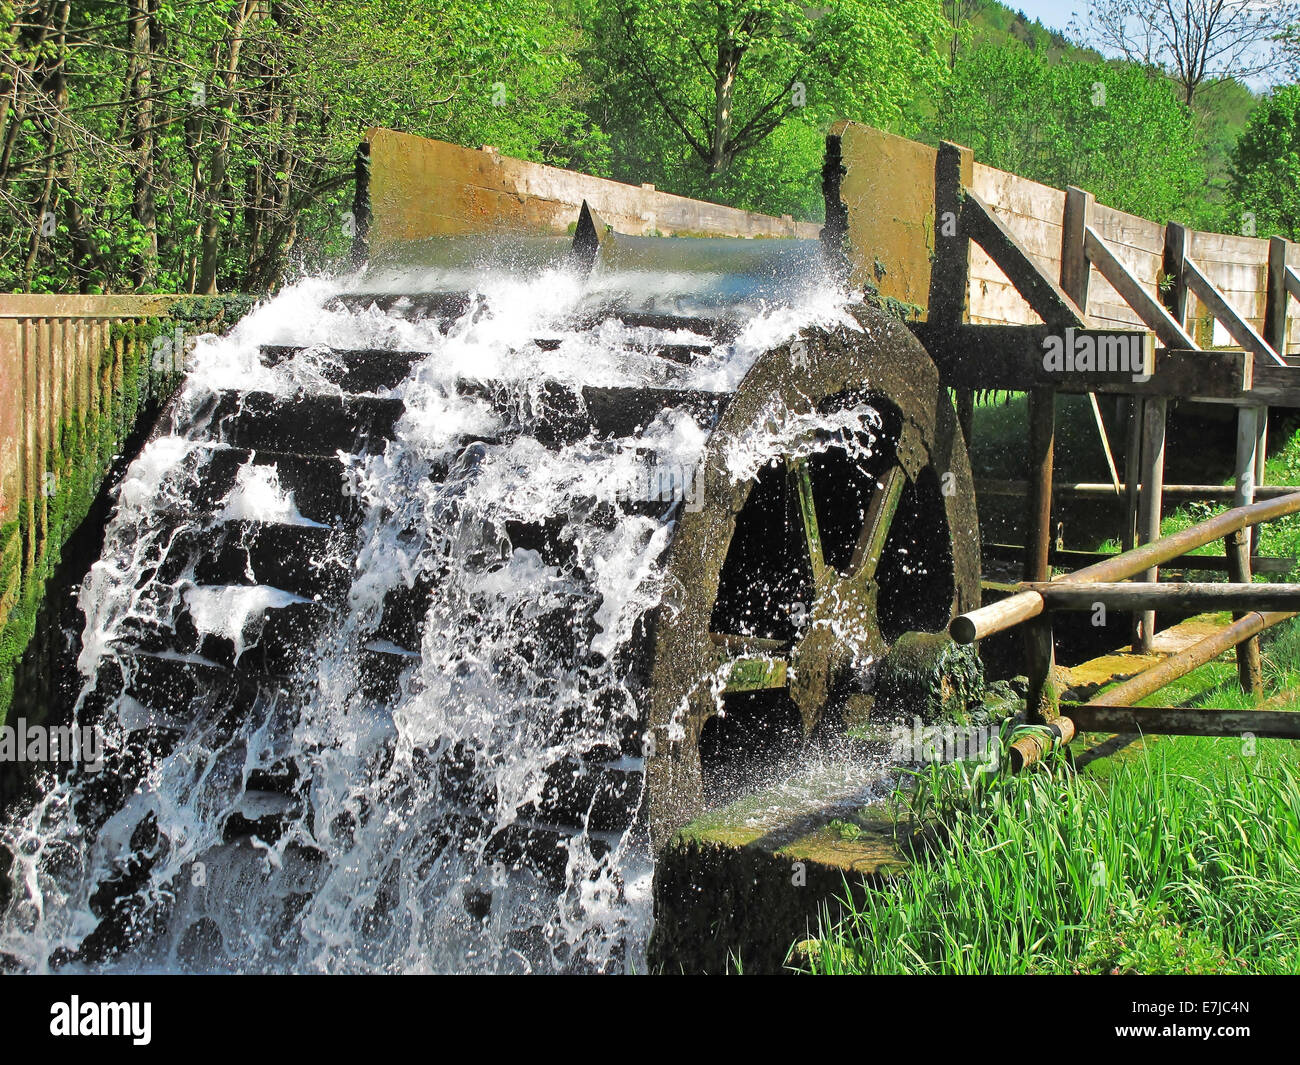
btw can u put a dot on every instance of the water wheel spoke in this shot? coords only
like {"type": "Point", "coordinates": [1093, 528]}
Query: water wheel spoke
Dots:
{"type": "Point", "coordinates": [801, 480]}
{"type": "Point", "coordinates": [875, 527]}
{"type": "Point", "coordinates": [757, 674]}
{"type": "Point", "coordinates": [745, 663]}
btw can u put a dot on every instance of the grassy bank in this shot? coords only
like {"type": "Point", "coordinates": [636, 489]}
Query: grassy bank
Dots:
{"type": "Point", "coordinates": [1161, 867]}
{"type": "Point", "coordinates": [1162, 855]}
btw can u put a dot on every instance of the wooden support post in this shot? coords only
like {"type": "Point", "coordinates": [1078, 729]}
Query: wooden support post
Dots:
{"type": "Point", "coordinates": [1247, 452]}
{"type": "Point", "coordinates": [361, 214]}
{"type": "Point", "coordinates": [1076, 270]}
{"type": "Point", "coordinates": [954, 169]}
{"type": "Point", "coordinates": [1042, 440]}
{"type": "Point", "coordinates": [1132, 472]}
{"type": "Point", "coordinates": [1250, 669]}
{"type": "Point", "coordinates": [1043, 700]}
{"type": "Point", "coordinates": [1261, 462]}
{"type": "Point", "coordinates": [1175, 266]}
{"type": "Point", "coordinates": [1149, 509]}
{"type": "Point", "coordinates": [1152, 464]}
{"type": "Point", "coordinates": [1276, 297]}
{"type": "Point", "coordinates": [966, 413]}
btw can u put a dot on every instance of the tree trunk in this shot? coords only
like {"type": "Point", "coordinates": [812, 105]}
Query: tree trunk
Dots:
{"type": "Point", "coordinates": [724, 87]}
{"type": "Point", "coordinates": [211, 229]}
{"type": "Point", "coordinates": [144, 264]}
{"type": "Point", "coordinates": [59, 97]}
{"type": "Point", "coordinates": [15, 93]}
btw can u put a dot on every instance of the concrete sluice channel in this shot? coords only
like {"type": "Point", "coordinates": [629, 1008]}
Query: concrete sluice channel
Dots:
{"type": "Point", "coordinates": [445, 593]}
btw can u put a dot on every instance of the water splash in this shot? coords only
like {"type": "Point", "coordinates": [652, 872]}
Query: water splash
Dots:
{"type": "Point", "coordinates": [393, 848]}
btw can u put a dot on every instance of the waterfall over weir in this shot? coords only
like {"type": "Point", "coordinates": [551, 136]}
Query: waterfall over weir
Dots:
{"type": "Point", "coordinates": [369, 692]}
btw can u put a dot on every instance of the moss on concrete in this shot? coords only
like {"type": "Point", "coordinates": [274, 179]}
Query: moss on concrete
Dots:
{"type": "Point", "coordinates": [737, 886]}
{"type": "Point", "coordinates": [78, 459]}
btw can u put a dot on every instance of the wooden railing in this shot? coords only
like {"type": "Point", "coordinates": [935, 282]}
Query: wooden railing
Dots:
{"type": "Point", "coordinates": [1108, 585]}
{"type": "Point", "coordinates": [1000, 267]}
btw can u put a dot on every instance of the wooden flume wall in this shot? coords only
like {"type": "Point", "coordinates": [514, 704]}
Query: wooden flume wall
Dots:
{"type": "Point", "coordinates": [419, 188]}
{"type": "Point", "coordinates": [889, 189]}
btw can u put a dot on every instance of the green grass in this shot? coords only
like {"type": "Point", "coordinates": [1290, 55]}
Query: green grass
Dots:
{"type": "Point", "coordinates": [1156, 869]}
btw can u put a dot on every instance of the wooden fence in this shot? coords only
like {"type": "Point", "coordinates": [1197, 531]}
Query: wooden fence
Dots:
{"type": "Point", "coordinates": [77, 373]}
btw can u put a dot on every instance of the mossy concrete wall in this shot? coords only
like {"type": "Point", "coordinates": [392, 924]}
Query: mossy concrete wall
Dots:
{"type": "Point", "coordinates": [77, 375]}
{"type": "Point", "coordinates": [738, 888]}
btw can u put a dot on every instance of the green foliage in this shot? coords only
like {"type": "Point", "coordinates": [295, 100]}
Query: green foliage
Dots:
{"type": "Point", "coordinates": [1161, 871]}
{"type": "Point", "coordinates": [730, 100]}
{"type": "Point", "coordinates": [1266, 166]}
{"type": "Point", "coordinates": [286, 107]}
{"type": "Point", "coordinates": [215, 152]}
{"type": "Point", "coordinates": [1222, 108]}
{"type": "Point", "coordinates": [1107, 127]}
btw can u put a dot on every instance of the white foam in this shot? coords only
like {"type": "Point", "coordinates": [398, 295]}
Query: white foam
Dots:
{"type": "Point", "coordinates": [489, 688]}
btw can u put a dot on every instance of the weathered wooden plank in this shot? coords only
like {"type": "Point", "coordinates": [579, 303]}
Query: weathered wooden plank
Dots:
{"type": "Point", "coordinates": [1041, 240]}
{"type": "Point", "coordinates": [986, 269]}
{"type": "Point", "coordinates": [1183, 721]}
{"type": "Point", "coordinates": [1128, 286]}
{"type": "Point", "coordinates": [1012, 357]}
{"type": "Point", "coordinates": [885, 189]}
{"type": "Point", "coordinates": [994, 299]}
{"type": "Point", "coordinates": [1041, 291]}
{"type": "Point", "coordinates": [1274, 386]}
{"type": "Point", "coordinates": [1012, 192]}
{"type": "Point", "coordinates": [1180, 597]}
{"type": "Point", "coordinates": [1067, 559]}
{"type": "Point", "coordinates": [36, 306]}
{"type": "Point", "coordinates": [1230, 248]}
{"type": "Point", "coordinates": [421, 187]}
{"type": "Point", "coordinates": [1132, 231]}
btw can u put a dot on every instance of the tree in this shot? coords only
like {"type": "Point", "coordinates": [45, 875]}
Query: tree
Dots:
{"type": "Point", "coordinates": [1104, 126]}
{"type": "Point", "coordinates": [688, 89]}
{"type": "Point", "coordinates": [1194, 41]}
{"type": "Point", "coordinates": [1266, 166]}
{"type": "Point", "coordinates": [207, 145]}
{"type": "Point", "coordinates": [960, 14]}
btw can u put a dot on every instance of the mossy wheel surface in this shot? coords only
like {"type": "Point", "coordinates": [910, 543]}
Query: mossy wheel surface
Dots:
{"type": "Point", "coordinates": [838, 513]}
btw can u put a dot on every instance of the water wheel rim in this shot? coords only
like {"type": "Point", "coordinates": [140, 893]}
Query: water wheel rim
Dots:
{"type": "Point", "coordinates": [689, 665]}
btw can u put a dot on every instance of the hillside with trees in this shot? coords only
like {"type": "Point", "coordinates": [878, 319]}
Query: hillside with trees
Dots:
{"type": "Point", "coordinates": [207, 145]}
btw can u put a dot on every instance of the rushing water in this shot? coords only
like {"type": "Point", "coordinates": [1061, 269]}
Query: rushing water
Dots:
{"type": "Point", "coordinates": [379, 866]}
